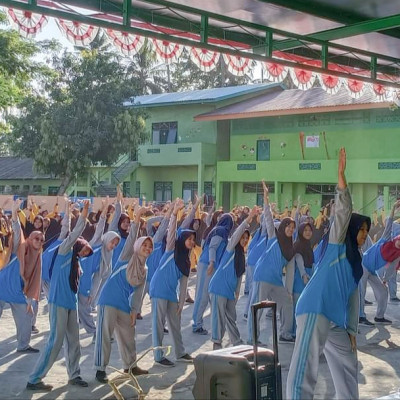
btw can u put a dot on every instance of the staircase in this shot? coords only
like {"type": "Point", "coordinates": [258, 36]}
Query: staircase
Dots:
{"type": "Point", "coordinates": [124, 170]}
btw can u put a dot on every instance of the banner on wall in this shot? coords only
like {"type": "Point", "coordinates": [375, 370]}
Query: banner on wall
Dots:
{"type": "Point", "coordinates": [312, 141]}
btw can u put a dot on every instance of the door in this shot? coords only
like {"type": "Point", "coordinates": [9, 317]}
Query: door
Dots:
{"type": "Point", "coordinates": [262, 150]}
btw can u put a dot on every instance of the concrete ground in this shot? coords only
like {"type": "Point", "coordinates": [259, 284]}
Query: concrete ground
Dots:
{"type": "Point", "coordinates": [378, 352]}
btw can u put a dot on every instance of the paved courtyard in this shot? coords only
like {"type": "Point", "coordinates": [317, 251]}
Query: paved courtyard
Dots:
{"type": "Point", "coordinates": [379, 359]}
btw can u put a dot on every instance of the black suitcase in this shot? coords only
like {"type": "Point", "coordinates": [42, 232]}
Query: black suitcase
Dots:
{"type": "Point", "coordinates": [241, 372]}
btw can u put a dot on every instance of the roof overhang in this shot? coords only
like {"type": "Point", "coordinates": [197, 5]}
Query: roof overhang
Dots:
{"type": "Point", "coordinates": [298, 111]}
{"type": "Point", "coordinates": [321, 36]}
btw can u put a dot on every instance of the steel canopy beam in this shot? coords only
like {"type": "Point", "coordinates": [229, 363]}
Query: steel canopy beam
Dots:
{"type": "Point", "coordinates": [372, 25]}
{"type": "Point", "coordinates": [95, 20]}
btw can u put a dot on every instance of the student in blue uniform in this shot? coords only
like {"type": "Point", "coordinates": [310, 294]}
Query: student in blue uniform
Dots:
{"type": "Point", "coordinates": [64, 327]}
{"type": "Point", "coordinates": [50, 252]}
{"type": "Point", "coordinates": [383, 256]}
{"type": "Point", "coordinates": [120, 300]}
{"type": "Point", "coordinates": [225, 285]}
{"type": "Point", "coordinates": [213, 248]}
{"type": "Point", "coordinates": [159, 242]}
{"type": "Point", "coordinates": [256, 248]}
{"type": "Point", "coordinates": [304, 262]}
{"type": "Point", "coordinates": [20, 280]}
{"type": "Point", "coordinates": [268, 274]}
{"type": "Point", "coordinates": [327, 310]}
{"type": "Point", "coordinates": [173, 273]}
{"type": "Point", "coordinates": [91, 268]}
{"type": "Point", "coordinates": [120, 223]}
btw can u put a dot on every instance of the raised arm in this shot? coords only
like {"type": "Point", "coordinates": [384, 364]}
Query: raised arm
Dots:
{"type": "Point", "coordinates": [343, 206]}
{"type": "Point", "coordinates": [387, 233]}
{"type": "Point", "coordinates": [189, 218]}
{"type": "Point", "coordinates": [118, 210]}
{"type": "Point", "coordinates": [66, 221]}
{"type": "Point", "coordinates": [269, 220]}
{"type": "Point", "coordinates": [151, 221]}
{"type": "Point", "coordinates": [162, 228]}
{"type": "Point", "coordinates": [68, 243]}
{"type": "Point", "coordinates": [96, 239]}
{"type": "Point", "coordinates": [171, 238]}
{"type": "Point", "coordinates": [235, 238]}
{"type": "Point", "coordinates": [210, 214]}
{"type": "Point", "coordinates": [127, 251]}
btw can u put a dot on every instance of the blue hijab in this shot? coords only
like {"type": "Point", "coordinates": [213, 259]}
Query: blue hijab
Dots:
{"type": "Point", "coordinates": [223, 228]}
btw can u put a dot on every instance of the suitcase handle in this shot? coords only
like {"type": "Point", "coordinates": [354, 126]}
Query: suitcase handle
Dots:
{"type": "Point", "coordinates": [254, 308]}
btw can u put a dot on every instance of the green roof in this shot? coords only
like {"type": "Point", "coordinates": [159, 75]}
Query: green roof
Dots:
{"type": "Point", "coordinates": [198, 96]}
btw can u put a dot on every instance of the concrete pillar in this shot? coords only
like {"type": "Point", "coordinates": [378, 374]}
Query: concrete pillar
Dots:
{"type": "Point", "coordinates": [200, 178]}
{"type": "Point", "coordinates": [277, 186]}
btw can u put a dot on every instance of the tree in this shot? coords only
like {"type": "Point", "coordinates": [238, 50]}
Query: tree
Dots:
{"type": "Point", "coordinates": [81, 120]}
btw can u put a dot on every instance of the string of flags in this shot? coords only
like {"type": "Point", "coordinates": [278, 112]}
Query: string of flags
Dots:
{"type": "Point", "coordinates": [29, 24]}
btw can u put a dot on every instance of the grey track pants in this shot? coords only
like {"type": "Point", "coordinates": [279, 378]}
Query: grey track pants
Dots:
{"type": "Point", "coordinates": [162, 309]}
{"type": "Point", "coordinates": [110, 319]}
{"type": "Point", "coordinates": [279, 294]}
{"type": "Point", "coordinates": [223, 314]}
{"type": "Point", "coordinates": [85, 316]}
{"type": "Point", "coordinates": [315, 334]}
{"type": "Point", "coordinates": [64, 328]}
{"type": "Point", "coordinates": [23, 323]}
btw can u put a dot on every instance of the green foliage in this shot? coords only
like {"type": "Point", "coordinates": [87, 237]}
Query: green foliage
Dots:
{"type": "Point", "coordinates": [81, 119]}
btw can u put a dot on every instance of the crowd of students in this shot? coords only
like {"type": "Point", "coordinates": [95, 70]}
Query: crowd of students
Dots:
{"type": "Point", "coordinates": [113, 258]}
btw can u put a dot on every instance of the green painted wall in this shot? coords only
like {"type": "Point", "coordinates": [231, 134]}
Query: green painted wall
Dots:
{"type": "Point", "coordinates": [28, 186]}
{"type": "Point", "coordinates": [371, 137]}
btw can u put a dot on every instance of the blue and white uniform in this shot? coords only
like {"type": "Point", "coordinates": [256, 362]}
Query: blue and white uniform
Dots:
{"type": "Point", "coordinates": [255, 250]}
{"type": "Point", "coordinates": [64, 327]}
{"type": "Point", "coordinates": [268, 282]}
{"type": "Point", "coordinates": [224, 291]}
{"type": "Point", "coordinates": [213, 249]}
{"type": "Point", "coordinates": [12, 292]}
{"type": "Point", "coordinates": [327, 311]}
{"type": "Point", "coordinates": [164, 299]}
{"type": "Point", "coordinates": [118, 299]}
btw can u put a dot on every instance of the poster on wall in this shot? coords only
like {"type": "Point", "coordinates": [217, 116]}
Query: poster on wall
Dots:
{"type": "Point", "coordinates": [312, 141]}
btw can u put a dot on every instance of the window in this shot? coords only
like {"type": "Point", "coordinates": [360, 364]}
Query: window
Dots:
{"type": "Point", "coordinates": [2, 187]}
{"type": "Point", "coordinates": [15, 188]}
{"type": "Point", "coordinates": [26, 188]}
{"type": "Point", "coordinates": [327, 192]}
{"type": "Point", "coordinates": [37, 189]}
{"type": "Point", "coordinates": [52, 190]}
{"type": "Point", "coordinates": [394, 190]}
{"type": "Point", "coordinates": [164, 132]}
{"type": "Point", "coordinates": [81, 193]}
{"type": "Point", "coordinates": [162, 191]}
{"type": "Point", "coordinates": [189, 191]}
{"type": "Point", "coordinates": [208, 188]}
{"type": "Point", "coordinates": [263, 150]}
{"type": "Point", "coordinates": [257, 188]}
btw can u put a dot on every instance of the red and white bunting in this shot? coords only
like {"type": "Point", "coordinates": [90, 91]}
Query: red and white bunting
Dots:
{"type": "Point", "coordinates": [28, 24]}
{"type": "Point", "coordinates": [330, 83]}
{"type": "Point", "coordinates": [237, 65]}
{"type": "Point", "coordinates": [355, 88]}
{"type": "Point", "coordinates": [125, 42]}
{"type": "Point", "coordinates": [77, 33]}
{"type": "Point", "coordinates": [167, 51]}
{"type": "Point", "coordinates": [206, 60]}
{"type": "Point", "coordinates": [381, 92]}
{"type": "Point", "coordinates": [275, 72]}
{"type": "Point", "coordinates": [302, 78]}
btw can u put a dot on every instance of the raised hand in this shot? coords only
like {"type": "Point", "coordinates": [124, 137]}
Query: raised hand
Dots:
{"type": "Point", "coordinates": [179, 205]}
{"type": "Point", "coordinates": [342, 184]}
{"type": "Point", "coordinates": [266, 192]}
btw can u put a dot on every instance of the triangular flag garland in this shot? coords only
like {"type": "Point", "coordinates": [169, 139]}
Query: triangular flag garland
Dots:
{"type": "Point", "coordinates": [78, 33]}
{"type": "Point", "coordinates": [206, 60]}
{"type": "Point", "coordinates": [29, 24]}
{"type": "Point", "coordinates": [126, 43]}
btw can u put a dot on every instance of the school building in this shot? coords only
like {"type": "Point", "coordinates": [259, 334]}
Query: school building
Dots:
{"type": "Point", "coordinates": [224, 141]}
